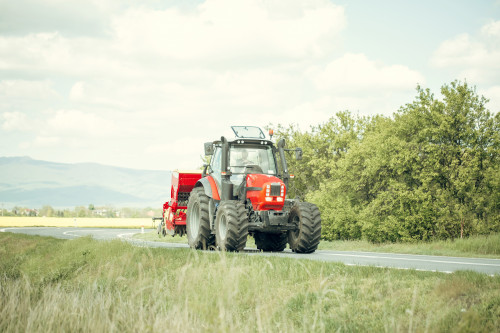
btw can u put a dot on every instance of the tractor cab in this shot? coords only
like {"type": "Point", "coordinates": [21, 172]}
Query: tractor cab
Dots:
{"type": "Point", "coordinates": [249, 153]}
{"type": "Point", "coordinates": [242, 156]}
{"type": "Point", "coordinates": [251, 150]}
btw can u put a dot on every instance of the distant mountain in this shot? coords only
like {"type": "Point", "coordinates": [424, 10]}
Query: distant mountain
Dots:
{"type": "Point", "coordinates": [33, 183]}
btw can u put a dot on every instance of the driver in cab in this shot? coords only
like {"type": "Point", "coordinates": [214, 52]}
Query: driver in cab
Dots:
{"type": "Point", "coordinates": [243, 161]}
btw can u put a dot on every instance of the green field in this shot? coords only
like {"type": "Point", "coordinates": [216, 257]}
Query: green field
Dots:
{"type": "Point", "coordinates": [81, 222]}
{"type": "Point", "coordinates": [55, 285]}
{"type": "Point", "coordinates": [478, 246]}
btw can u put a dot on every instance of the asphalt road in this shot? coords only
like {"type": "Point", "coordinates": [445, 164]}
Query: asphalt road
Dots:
{"type": "Point", "coordinates": [399, 261]}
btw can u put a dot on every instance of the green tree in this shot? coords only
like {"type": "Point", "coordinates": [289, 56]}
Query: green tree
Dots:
{"type": "Point", "coordinates": [47, 211]}
{"type": "Point", "coordinates": [457, 140]}
{"type": "Point", "coordinates": [430, 171]}
{"type": "Point", "coordinates": [322, 147]}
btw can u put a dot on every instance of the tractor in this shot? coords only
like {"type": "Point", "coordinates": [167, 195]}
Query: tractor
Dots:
{"type": "Point", "coordinates": [242, 192]}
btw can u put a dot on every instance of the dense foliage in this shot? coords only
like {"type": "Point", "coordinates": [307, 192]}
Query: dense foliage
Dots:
{"type": "Point", "coordinates": [432, 171]}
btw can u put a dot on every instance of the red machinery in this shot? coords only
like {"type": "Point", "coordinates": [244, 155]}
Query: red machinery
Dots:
{"type": "Point", "coordinates": [174, 211]}
{"type": "Point", "coordinates": [242, 192]}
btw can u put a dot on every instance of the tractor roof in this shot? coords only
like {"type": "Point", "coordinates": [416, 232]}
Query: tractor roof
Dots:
{"type": "Point", "coordinates": [247, 141]}
{"type": "Point", "coordinates": [248, 132]}
{"type": "Point", "coordinates": [247, 135]}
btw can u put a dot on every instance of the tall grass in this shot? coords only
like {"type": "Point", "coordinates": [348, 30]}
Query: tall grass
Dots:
{"type": "Point", "coordinates": [56, 285]}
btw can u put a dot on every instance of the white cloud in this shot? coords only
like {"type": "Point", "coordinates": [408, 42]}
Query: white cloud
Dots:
{"type": "Point", "coordinates": [355, 73]}
{"type": "Point", "coordinates": [163, 79]}
{"type": "Point", "coordinates": [493, 94]}
{"type": "Point", "coordinates": [45, 141]}
{"type": "Point", "coordinates": [27, 90]}
{"type": "Point", "coordinates": [146, 41]}
{"type": "Point", "coordinates": [356, 83]}
{"type": "Point", "coordinates": [220, 31]}
{"type": "Point", "coordinates": [475, 58]}
{"type": "Point", "coordinates": [76, 123]}
{"type": "Point", "coordinates": [15, 121]}
{"type": "Point", "coordinates": [491, 29]}
{"type": "Point", "coordinates": [77, 92]}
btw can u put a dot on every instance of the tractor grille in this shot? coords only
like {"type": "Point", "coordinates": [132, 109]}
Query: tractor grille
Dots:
{"type": "Point", "coordinates": [275, 190]}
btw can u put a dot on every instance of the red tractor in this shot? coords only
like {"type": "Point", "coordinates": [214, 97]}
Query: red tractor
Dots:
{"type": "Point", "coordinates": [242, 192]}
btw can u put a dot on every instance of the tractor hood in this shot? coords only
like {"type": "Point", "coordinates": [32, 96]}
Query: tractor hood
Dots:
{"type": "Point", "coordinates": [265, 192]}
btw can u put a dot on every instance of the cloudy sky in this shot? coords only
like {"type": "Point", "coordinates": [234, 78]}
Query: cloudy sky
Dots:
{"type": "Point", "coordinates": [142, 84]}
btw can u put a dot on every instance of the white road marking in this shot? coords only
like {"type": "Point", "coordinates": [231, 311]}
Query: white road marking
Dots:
{"type": "Point", "coordinates": [412, 259]}
{"type": "Point", "coordinates": [128, 233]}
{"type": "Point", "coordinates": [70, 233]}
{"type": "Point", "coordinates": [407, 254]}
{"type": "Point", "coordinates": [401, 268]}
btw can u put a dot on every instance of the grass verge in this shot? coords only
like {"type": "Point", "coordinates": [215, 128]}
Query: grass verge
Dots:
{"type": "Point", "coordinates": [474, 246]}
{"type": "Point", "coordinates": [57, 285]}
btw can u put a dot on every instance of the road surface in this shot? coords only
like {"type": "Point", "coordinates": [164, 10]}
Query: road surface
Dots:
{"type": "Point", "coordinates": [399, 261]}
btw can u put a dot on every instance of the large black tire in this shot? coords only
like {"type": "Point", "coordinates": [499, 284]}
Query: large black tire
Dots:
{"type": "Point", "coordinates": [308, 220]}
{"type": "Point", "coordinates": [270, 242]}
{"type": "Point", "coordinates": [197, 221]}
{"type": "Point", "coordinates": [231, 226]}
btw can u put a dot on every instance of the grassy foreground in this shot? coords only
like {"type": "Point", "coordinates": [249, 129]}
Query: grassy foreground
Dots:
{"type": "Point", "coordinates": [54, 285]}
{"type": "Point", "coordinates": [477, 246]}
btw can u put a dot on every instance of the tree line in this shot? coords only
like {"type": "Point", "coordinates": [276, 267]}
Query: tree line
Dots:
{"type": "Point", "coordinates": [430, 171]}
{"type": "Point", "coordinates": [83, 211]}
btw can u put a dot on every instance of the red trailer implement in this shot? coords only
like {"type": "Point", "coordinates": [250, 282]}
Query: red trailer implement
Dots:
{"type": "Point", "coordinates": [174, 211]}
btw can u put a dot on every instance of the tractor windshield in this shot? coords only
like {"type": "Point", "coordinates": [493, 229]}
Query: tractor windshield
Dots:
{"type": "Point", "coordinates": [260, 157]}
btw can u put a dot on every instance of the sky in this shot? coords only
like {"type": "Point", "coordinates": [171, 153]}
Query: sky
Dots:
{"type": "Point", "coordinates": [143, 84]}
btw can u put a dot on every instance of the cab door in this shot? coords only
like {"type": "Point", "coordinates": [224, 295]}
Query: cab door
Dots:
{"type": "Point", "coordinates": [215, 167]}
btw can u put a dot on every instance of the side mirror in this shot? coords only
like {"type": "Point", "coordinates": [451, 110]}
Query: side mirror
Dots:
{"type": "Point", "coordinates": [298, 154]}
{"type": "Point", "coordinates": [209, 148]}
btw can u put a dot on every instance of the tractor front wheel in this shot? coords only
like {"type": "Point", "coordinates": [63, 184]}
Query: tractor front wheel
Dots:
{"type": "Point", "coordinates": [197, 221]}
{"type": "Point", "coordinates": [231, 226]}
{"type": "Point", "coordinates": [307, 218]}
{"type": "Point", "coordinates": [270, 242]}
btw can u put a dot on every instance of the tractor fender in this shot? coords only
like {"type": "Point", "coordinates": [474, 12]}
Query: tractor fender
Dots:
{"type": "Point", "coordinates": [210, 187]}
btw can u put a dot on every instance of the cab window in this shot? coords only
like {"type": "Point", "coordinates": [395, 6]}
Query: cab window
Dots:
{"type": "Point", "coordinates": [262, 156]}
{"type": "Point", "coordinates": [215, 163]}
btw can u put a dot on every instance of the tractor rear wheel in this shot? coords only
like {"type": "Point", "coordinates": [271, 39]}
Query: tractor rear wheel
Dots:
{"type": "Point", "coordinates": [270, 242]}
{"type": "Point", "coordinates": [307, 218]}
{"type": "Point", "coordinates": [231, 226]}
{"type": "Point", "coordinates": [197, 221]}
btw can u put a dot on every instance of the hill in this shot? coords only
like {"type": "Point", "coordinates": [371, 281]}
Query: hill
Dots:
{"type": "Point", "coordinates": [34, 183]}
